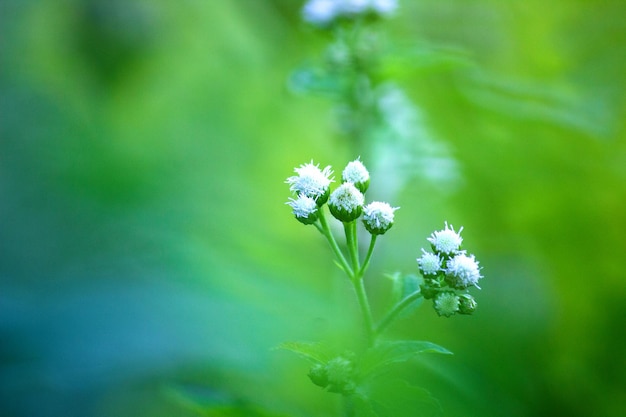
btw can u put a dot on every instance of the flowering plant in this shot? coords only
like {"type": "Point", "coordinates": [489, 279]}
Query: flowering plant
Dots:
{"type": "Point", "coordinates": [448, 272]}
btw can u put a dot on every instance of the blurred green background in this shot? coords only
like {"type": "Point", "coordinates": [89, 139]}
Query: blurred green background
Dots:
{"type": "Point", "coordinates": [147, 259]}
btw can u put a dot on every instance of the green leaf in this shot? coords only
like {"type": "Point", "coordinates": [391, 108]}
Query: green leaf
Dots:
{"type": "Point", "coordinates": [386, 353]}
{"type": "Point", "coordinates": [208, 402]}
{"type": "Point", "coordinates": [404, 285]}
{"type": "Point", "coordinates": [314, 352]}
{"type": "Point", "coordinates": [394, 398]}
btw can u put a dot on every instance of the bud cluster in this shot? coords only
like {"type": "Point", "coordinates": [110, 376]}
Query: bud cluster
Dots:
{"type": "Point", "coordinates": [448, 273]}
{"type": "Point", "coordinates": [337, 375]}
{"type": "Point", "coordinates": [346, 203]}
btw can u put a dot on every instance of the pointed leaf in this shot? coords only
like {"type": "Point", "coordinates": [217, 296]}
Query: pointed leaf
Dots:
{"type": "Point", "coordinates": [397, 398]}
{"type": "Point", "coordinates": [387, 353]}
{"type": "Point", "coordinates": [314, 352]}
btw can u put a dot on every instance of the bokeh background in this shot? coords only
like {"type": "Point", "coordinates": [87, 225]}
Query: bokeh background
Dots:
{"type": "Point", "coordinates": [148, 264]}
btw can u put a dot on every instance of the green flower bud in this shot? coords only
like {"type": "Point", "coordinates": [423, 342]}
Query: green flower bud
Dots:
{"type": "Point", "coordinates": [340, 372]}
{"type": "Point", "coordinates": [318, 375]}
{"type": "Point", "coordinates": [467, 304]}
{"type": "Point", "coordinates": [446, 304]}
{"type": "Point", "coordinates": [346, 203]}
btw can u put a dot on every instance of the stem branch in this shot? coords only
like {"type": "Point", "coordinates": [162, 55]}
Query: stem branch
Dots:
{"type": "Point", "coordinates": [397, 309]}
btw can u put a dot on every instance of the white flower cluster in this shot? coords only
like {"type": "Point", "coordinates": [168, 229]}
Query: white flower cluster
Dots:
{"type": "Point", "coordinates": [324, 12]}
{"type": "Point", "coordinates": [346, 203]}
{"type": "Point", "coordinates": [446, 270]}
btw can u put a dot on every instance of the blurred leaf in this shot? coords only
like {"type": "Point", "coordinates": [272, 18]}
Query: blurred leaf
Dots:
{"type": "Point", "coordinates": [394, 397]}
{"type": "Point", "coordinates": [387, 353]}
{"type": "Point", "coordinates": [315, 352]}
{"type": "Point", "coordinates": [204, 401]}
{"type": "Point", "coordinates": [402, 286]}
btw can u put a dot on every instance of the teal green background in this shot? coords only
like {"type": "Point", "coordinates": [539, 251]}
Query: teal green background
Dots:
{"type": "Point", "coordinates": [148, 261]}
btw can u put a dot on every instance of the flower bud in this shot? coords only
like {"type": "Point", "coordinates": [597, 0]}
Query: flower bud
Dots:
{"type": "Point", "coordinates": [462, 271]}
{"type": "Point", "coordinates": [356, 173]}
{"type": "Point", "coordinates": [467, 304]}
{"type": "Point", "coordinates": [312, 182]}
{"type": "Point", "coordinates": [446, 304]}
{"type": "Point", "coordinates": [340, 372]}
{"type": "Point", "coordinates": [446, 241]}
{"type": "Point", "coordinates": [429, 263]}
{"type": "Point", "coordinates": [378, 217]}
{"type": "Point", "coordinates": [346, 202]}
{"type": "Point", "coordinates": [319, 375]}
{"type": "Point", "coordinates": [304, 208]}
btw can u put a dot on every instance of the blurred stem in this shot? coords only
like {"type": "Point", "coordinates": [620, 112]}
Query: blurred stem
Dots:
{"type": "Point", "coordinates": [368, 257]}
{"type": "Point", "coordinates": [333, 243]}
{"type": "Point", "coordinates": [393, 313]}
{"type": "Point", "coordinates": [359, 287]}
{"type": "Point", "coordinates": [351, 239]}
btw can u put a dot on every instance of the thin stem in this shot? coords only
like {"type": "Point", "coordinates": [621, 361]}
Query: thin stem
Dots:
{"type": "Point", "coordinates": [350, 229]}
{"type": "Point", "coordinates": [365, 309]}
{"type": "Point", "coordinates": [333, 244]}
{"type": "Point", "coordinates": [397, 309]}
{"type": "Point", "coordinates": [368, 257]}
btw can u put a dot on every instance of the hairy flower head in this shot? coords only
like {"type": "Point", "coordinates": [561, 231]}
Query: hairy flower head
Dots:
{"type": "Point", "coordinates": [429, 263]}
{"type": "Point", "coordinates": [463, 271]}
{"type": "Point", "coordinates": [304, 208]}
{"type": "Point", "coordinates": [312, 182]}
{"type": "Point", "coordinates": [356, 173]}
{"type": "Point", "coordinates": [346, 202]}
{"type": "Point", "coordinates": [378, 217]}
{"type": "Point", "coordinates": [446, 241]}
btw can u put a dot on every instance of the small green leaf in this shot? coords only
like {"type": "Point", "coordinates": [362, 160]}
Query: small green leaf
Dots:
{"type": "Point", "coordinates": [315, 352]}
{"type": "Point", "coordinates": [403, 286]}
{"type": "Point", "coordinates": [396, 398]}
{"type": "Point", "coordinates": [386, 353]}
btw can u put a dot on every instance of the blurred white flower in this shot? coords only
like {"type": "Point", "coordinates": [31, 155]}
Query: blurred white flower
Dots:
{"type": "Point", "coordinates": [462, 271]}
{"type": "Point", "coordinates": [446, 241]}
{"type": "Point", "coordinates": [311, 181]}
{"type": "Point", "coordinates": [320, 12]}
{"type": "Point", "coordinates": [429, 263]}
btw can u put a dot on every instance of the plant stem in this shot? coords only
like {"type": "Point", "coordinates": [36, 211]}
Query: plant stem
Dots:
{"type": "Point", "coordinates": [333, 244]}
{"type": "Point", "coordinates": [351, 240]}
{"type": "Point", "coordinates": [365, 308]}
{"type": "Point", "coordinates": [368, 257]}
{"type": "Point", "coordinates": [397, 309]}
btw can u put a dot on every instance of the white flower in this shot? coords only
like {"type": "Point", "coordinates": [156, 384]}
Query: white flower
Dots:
{"type": "Point", "coordinates": [320, 12]}
{"type": "Point", "coordinates": [311, 182]}
{"type": "Point", "coordinates": [356, 173]}
{"type": "Point", "coordinates": [353, 7]}
{"type": "Point", "coordinates": [346, 202]}
{"type": "Point", "coordinates": [430, 263]}
{"type": "Point", "coordinates": [384, 7]}
{"type": "Point", "coordinates": [446, 241]}
{"type": "Point", "coordinates": [378, 217]}
{"type": "Point", "coordinates": [462, 271]}
{"type": "Point", "coordinates": [446, 304]}
{"type": "Point", "coordinates": [304, 208]}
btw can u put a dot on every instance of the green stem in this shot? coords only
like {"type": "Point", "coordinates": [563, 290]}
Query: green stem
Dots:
{"type": "Point", "coordinates": [368, 257]}
{"type": "Point", "coordinates": [351, 240]}
{"type": "Point", "coordinates": [397, 309]}
{"type": "Point", "coordinates": [333, 243]}
{"type": "Point", "coordinates": [365, 309]}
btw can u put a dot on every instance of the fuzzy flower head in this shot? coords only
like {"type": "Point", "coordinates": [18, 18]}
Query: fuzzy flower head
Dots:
{"type": "Point", "coordinates": [356, 173]}
{"type": "Point", "coordinates": [304, 208]}
{"type": "Point", "coordinates": [378, 217]}
{"type": "Point", "coordinates": [446, 241]}
{"type": "Point", "coordinates": [312, 182]}
{"type": "Point", "coordinates": [324, 12]}
{"type": "Point", "coordinates": [429, 263]}
{"type": "Point", "coordinates": [446, 304]}
{"type": "Point", "coordinates": [463, 271]}
{"type": "Point", "coordinates": [346, 202]}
